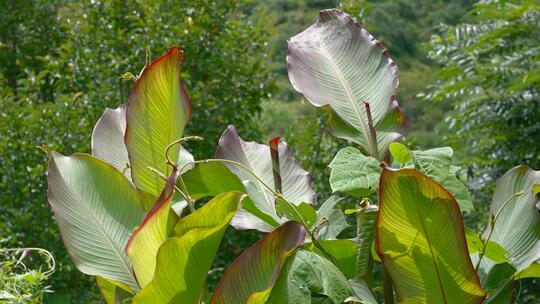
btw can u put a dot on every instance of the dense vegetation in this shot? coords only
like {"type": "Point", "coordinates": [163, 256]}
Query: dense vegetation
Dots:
{"type": "Point", "coordinates": [484, 101]}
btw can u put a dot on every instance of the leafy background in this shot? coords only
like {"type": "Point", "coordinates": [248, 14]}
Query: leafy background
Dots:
{"type": "Point", "coordinates": [469, 78]}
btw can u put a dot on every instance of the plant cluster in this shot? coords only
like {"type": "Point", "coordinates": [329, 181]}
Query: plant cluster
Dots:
{"type": "Point", "coordinates": [146, 218]}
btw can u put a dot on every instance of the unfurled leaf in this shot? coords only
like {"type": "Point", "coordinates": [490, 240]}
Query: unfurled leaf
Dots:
{"type": "Point", "coordinates": [183, 261]}
{"type": "Point", "coordinates": [421, 241]}
{"type": "Point", "coordinates": [338, 64]}
{"type": "Point", "coordinates": [158, 109]}
{"type": "Point", "coordinates": [309, 278]}
{"type": "Point", "coordinates": [517, 228]}
{"type": "Point", "coordinates": [330, 220]}
{"type": "Point", "coordinates": [96, 208]}
{"type": "Point", "coordinates": [108, 139]}
{"type": "Point", "coordinates": [361, 292]}
{"type": "Point", "coordinates": [295, 180]}
{"type": "Point", "coordinates": [353, 173]}
{"type": "Point", "coordinates": [400, 153]}
{"type": "Point", "coordinates": [252, 275]}
{"type": "Point", "coordinates": [343, 251]}
{"type": "Point", "coordinates": [143, 245]}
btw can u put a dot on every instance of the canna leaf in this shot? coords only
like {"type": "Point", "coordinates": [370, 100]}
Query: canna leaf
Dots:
{"type": "Point", "coordinates": [96, 208]}
{"type": "Point", "coordinates": [183, 261]}
{"type": "Point", "coordinates": [365, 234]}
{"type": "Point", "coordinates": [158, 109]}
{"type": "Point", "coordinates": [143, 245]}
{"type": "Point", "coordinates": [338, 64]}
{"type": "Point", "coordinates": [295, 180]}
{"type": "Point", "coordinates": [499, 283]}
{"type": "Point", "coordinates": [518, 225]}
{"type": "Point", "coordinates": [113, 292]}
{"type": "Point", "coordinates": [353, 173]}
{"type": "Point", "coordinates": [421, 241]}
{"type": "Point", "coordinates": [252, 275]}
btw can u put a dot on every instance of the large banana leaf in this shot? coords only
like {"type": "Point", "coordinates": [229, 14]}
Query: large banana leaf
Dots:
{"type": "Point", "coordinates": [518, 225]}
{"type": "Point", "coordinates": [96, 208]}
{"type": "Point", "coordinates": [253, 274]}
{"type": "Point", "coordinates": [309, 278]}
{"type": "Point", "coordinates": [157, 111]}
{"type": "Point", "coordinates": [337, 63]}
{"type": "Point", "coordinates": [143, 245]}
{"type": "Point", "coordinates": [183, 261]}
{"type": "Point", "coordinates": [295, 180]}
{"type": "Point", "coordinates": [108, 139]}
{"type": "Point", "coordinates": [421, 241]}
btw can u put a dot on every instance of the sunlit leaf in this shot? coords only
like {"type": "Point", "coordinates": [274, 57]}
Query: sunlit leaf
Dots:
{"type": "Point", "coordinates": [183, 261]}
{"type": "Point", "coordinates": [96, 208]}
{"type": "Point", "coordinates": [400, 153]}
{"type": "Point", "coordinates": [253, 274]}
{"type": "Point", "coordinates": [158, 109]}
{"type": "Point", "coordinates": [421, 241]}
{"type": "Point", "coordinates": [353, 173]}
{"type": "Point", "coordinates": [337, 63]}
{"type": "Point", "coordinates": [113, 292]}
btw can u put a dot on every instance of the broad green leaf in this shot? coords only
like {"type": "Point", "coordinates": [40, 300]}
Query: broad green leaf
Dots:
{"type": "Point", "coordinates": [437, 164]}
{"type": "Point", "coordinates": [518, 225]}
{"type": "Point", "coordinates": [96, 209]}
{"type": "Point", "coordinates": [295, 180]}
{"type": "Point", "coordinates": [338, 64]}
{"type": "Point", "coordinates": [158, 109]}
{"type": "Point", "coordinates": [183, 261]}
{"type": "Point", "coordinates": [343, 251]}
{"type": "Point", "coordinates": [493, 251]}
{"type": "Point", "coordinates": [110, 290]}
{"type": "Point", "coordinates": [421, 241]}
{"type": "Point", "coordinates": [108, 139]}
{"type": "Point", "coordinates": [253, 274]}
{"type": "Point", "coordinates": [302, 213]}
{"type": "Point", "coordinates": [143, 245]}
{"type": "Point", "coordinates": [366, 219]}
{"type": "Point", "coordinates": [533, 271]}
{"type": "Point", "coordinates": [400, 153]}
{"type": "Point", "coordinates": [499, 283]}
{"type": "Point", "coordinates": [309, 278]}
{"type": "Point", "coordinates": [353, 173]}
{"type": "Point", "coordinates": [361, 292]}
{"type": "Point", "coordinates": [330, 219]}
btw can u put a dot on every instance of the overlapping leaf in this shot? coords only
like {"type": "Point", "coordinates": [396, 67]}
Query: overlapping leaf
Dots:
{"type": "Point", "coordinates": [338, 64]}
{"type": "Point", "coordinates": [295, 180]}
{"type": "Point", "coordinates": [96, 208]}
{"type": "Point", "coordinates": [330, 219]}
{"type": "Point", "coordinates": [253, 274]}
{"type": "Point", "coordinates": [421, 241]}
{"type": "Point", "coordinates": [183, 261]}
{"type": "Point", "coordinates": [353, 173]}
{"type": "Point", "coordinates": [157, 111]}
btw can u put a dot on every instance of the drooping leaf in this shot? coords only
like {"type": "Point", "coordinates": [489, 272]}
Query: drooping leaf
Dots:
{"type": "Point", "coordinates": [330, 219]}
{"type": "Point", "coordinates": [309, 278]}
{"type": "Point", "coordinates": [361, 292]}
{"type": "Point", "coordinates": [96, 209]}
{"type": "Point", "coordinates": [143, 245]}
{"type": "Point", "coordinates": [295, 180]}
{"type": "Point", "coordinates": [337, 63]}
{"type": "Point", "coordinates": [157, 111]}
{"type": "Point", "coordinates": [108, 139]}
{"type": "Point", "coordinates": [353, 173]}
{"type": "Point", "coordinates": [400, 153]}
{"type": "Point", "coordinates": [421, 241]}
{"type": "Point", "coordinates": [253, 274]}
{"type": "Point", "coordinates": [437, 164]}
{"type": "Point", "coordinates": [343, 251]}
{"type": "Point", "coordinates": [517, 228]}
{"type": "Point", "coordinates": [183, 261]}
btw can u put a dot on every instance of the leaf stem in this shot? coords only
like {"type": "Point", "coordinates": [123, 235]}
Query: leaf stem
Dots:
{"type": "Point", "coordinates": [372, 131]}
{"type": "Point", "coordinates": [51, 261]}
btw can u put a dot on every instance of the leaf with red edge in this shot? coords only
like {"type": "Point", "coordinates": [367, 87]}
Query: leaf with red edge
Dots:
{"type": "Point", "coordinates": [421, 241]}
{"type": "Point", "coordinates": [253, 274]}
{"type": "Point", "coordinates": [158, 110]}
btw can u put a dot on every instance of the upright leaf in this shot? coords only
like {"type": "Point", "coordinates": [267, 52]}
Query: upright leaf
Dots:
{"type": "Point", "coordinates": [353, 173]}
{"type": "Point", "coordinates": [183, 261]}
{"type": "Point", "coordinates": [309, 278]}
{"type": "Point", "coordinates": [365, 234]}
{"type": "Point", "coordinates": [108, 139]}
{"type": "Point", "coordinates": [337, 63]}
{"type": "Point", "coordinates": [421, 241]}
{"type": "Point", "coordinates": [295, 180]}
{"type": "Point", "coordinates": [518, 224]}
{"type": "Point", "coordinates": [143, 245]}
{"type": "Point", "coordinates": [96, 208]}
{"type": "Point", "coordinates": [157, 111]}
{"type": "Point", "coordinates": [252, 275]}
